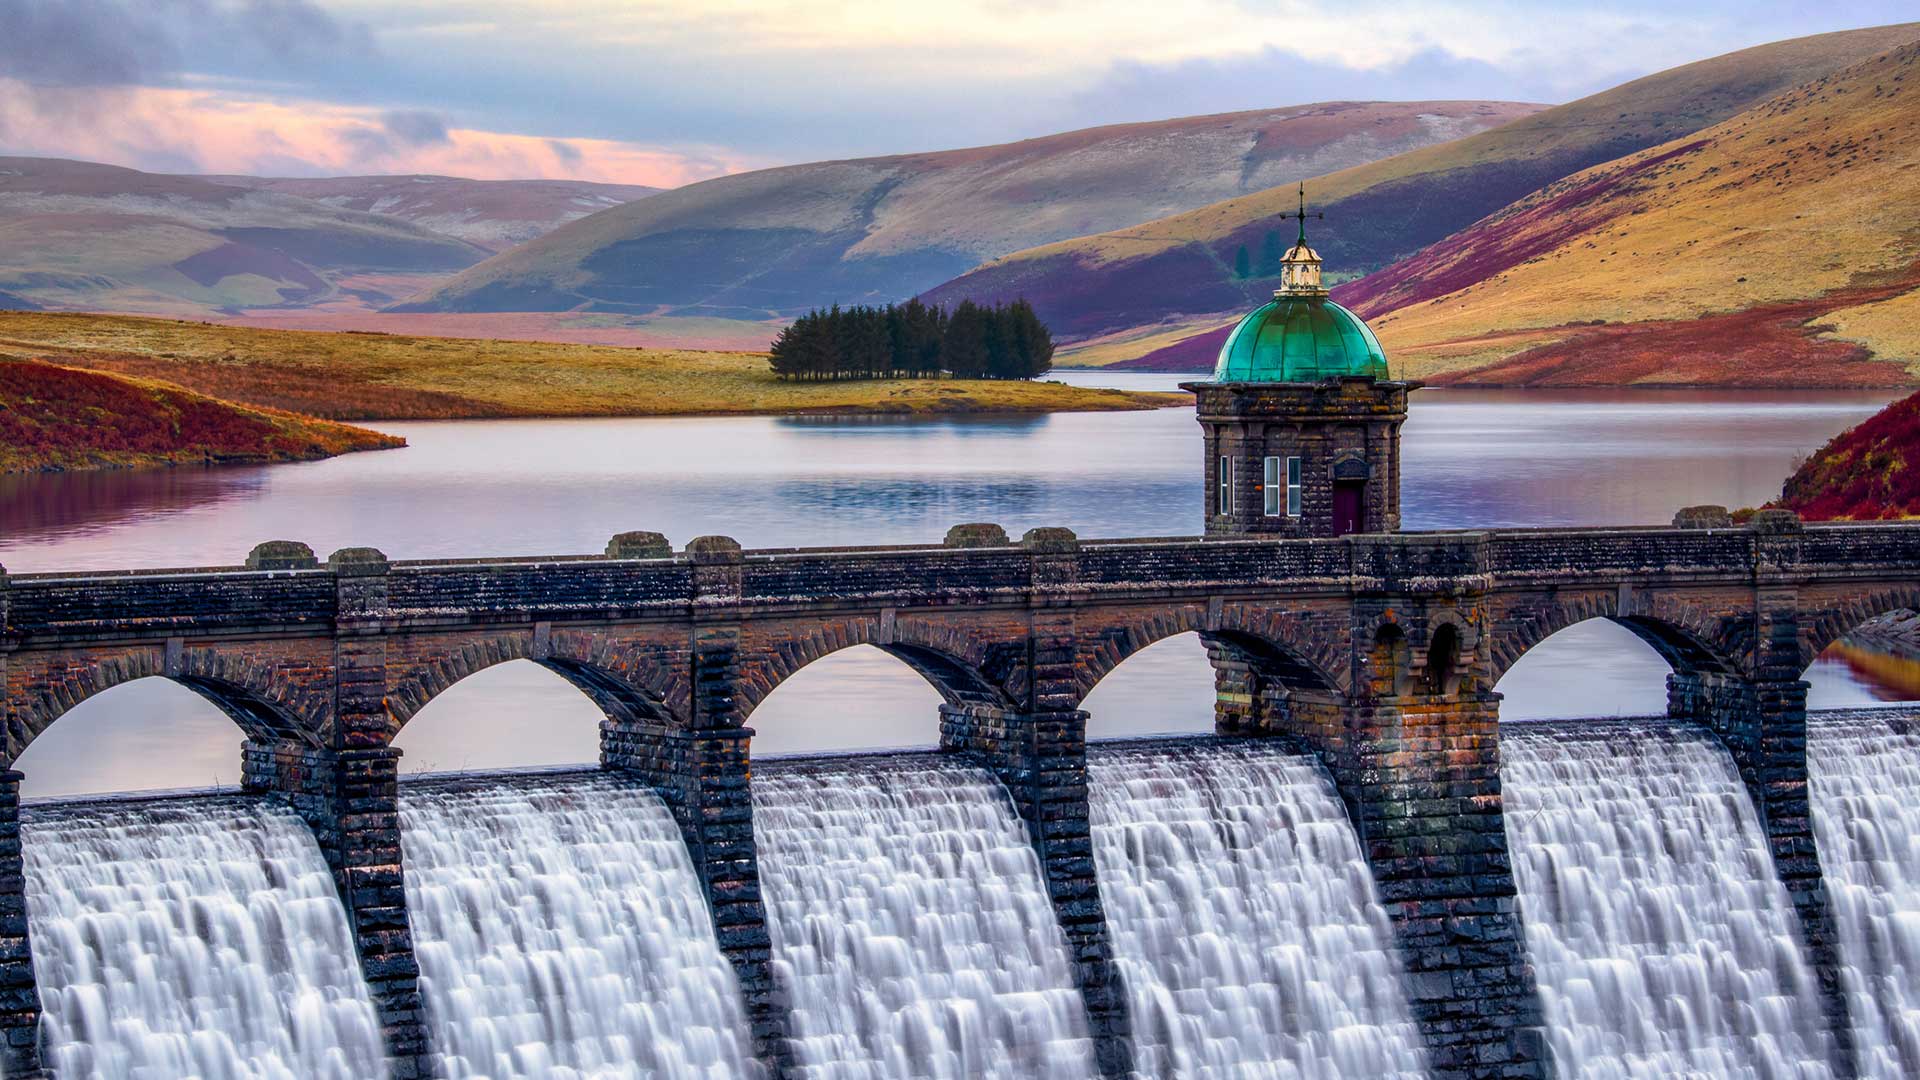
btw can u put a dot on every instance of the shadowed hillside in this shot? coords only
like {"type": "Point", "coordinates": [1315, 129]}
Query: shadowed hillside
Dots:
{"type": "Point", "coordinates": [1180, 270]}
{"type": "Point", "coordinates": [491, 214]}
{"type": "Point", "coordinates": [74, 234]}
{"type": "Point", "coordinates": [1780, 248]}
{"type": "Point", "coordinates": [780, 241]}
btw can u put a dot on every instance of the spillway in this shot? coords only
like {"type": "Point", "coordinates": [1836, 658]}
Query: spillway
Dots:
{"type": "Point", "coordinates": [193, 938]}
{"type": "Point", "coordinates": [911, 925]}
{"type": "Point", "coordinates": [561, 933]}
{"type": "Point", "coordinates": [1865, 770]}
{"type": "Point", "coordinates": [1663, 942]}
{"type": "Point", "coordinates": [1244, 918]}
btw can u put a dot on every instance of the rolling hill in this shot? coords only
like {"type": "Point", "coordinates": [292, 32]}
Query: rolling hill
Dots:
{"type": "Point", "coordinates": [779, 241]}
{"type": "Point", "coordinates": [75, 234]}
{"type": "Point", "coordinates": [490, 214]}
{"type": "Point", "coordinates": [1133, 290]}
{"type": "Point", "coordinates": [1779, 248]}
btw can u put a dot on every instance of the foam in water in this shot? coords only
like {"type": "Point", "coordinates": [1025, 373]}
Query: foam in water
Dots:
{"type": "Point", "coordinates": [200, 938]}
{"type": "Point", "coordinates": [562, 933]}
{"type": "Point", "coordinates": [1662, 939]}
{"type": "Point", "coordinates": [1865, 770]}
{"type": "Point", "coordinates": [1244, 918]}
{"type": "Point", "coordinates": [911, 926]}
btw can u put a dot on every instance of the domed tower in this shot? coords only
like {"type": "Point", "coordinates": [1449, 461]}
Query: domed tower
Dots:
{"type": "Point", "coordinates": [1302, 420]}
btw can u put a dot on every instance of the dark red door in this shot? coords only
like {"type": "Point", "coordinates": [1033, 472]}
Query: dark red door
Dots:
{"type": "Point", "coordinates": [1349, 507]}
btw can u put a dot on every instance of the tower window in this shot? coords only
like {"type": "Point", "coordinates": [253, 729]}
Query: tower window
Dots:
{"type": "Point", "coordinates": [1226, 486]}
{"type": "Point", "coordinates": [1270, 487]}
{"type": "Point", "coordinates": [1293, 487]}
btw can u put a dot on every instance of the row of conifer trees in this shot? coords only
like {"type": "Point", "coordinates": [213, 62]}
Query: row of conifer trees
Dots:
{"type": "Point", "coordinates": [913, 340]}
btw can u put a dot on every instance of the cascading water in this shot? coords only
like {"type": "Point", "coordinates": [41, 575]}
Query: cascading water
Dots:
{"type": "Point", "coordinates": [1662, 939]}
{"type": "Point", "coordinates": [911, 926]}
{"type": "Point", "coordinates": [1244, 919]}
{"type": "Point", "coordinates": [198, 938]}
{"type": "Point", "coordinates": [561, 932]}
{"type": "Point", "coordinates": [1865, 769]}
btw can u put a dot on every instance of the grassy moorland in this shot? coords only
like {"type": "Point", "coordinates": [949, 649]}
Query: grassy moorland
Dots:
{"type": "Point", "coordinates": [56, 418]}
{"type": "Point", "coordinates": [358, 376]}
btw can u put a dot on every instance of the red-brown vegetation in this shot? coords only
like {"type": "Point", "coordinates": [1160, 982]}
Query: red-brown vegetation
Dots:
{"type": "Point", "coordinates": [57, 418]}
{"type": "Point", "coordinates": [1866, 473]}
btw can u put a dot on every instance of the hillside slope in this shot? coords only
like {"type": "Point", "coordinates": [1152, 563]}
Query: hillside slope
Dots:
{"type": "Point", "coordinates": [1866, 473]}
{"type": "Point", "coordinates": [79, 235]}
{"type": "Point", "coordinates": [783, 240]}
{"type": "Point", "coordinates": [490, 214]}
{"type": "Point", "coordinates": [1179, 270]}
{"type": "Point", "coordinates": [61, 418]}
{"type": "Point", "coordinates": [1780, 248]}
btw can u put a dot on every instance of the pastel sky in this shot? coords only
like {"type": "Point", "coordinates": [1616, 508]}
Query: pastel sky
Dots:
{"type": "Point", "coordinates": [665, 93]}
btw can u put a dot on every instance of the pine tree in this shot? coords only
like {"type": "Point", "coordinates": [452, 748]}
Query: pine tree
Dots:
{"type": "Point", "coordinates": [1034, 341]}
{"type": "Point", "coordinates": [963, 348]}
{"type": "Point", "coordinates": [1242, 263]}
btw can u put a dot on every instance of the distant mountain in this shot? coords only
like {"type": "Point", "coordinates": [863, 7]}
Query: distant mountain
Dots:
{"type": "Point", "coordinates": [492, 214]}
{"type": "Point", "coordinates": [75, 234]}
{"type": "Point", "coordinates": [779, 241]}
{"type": "Point", "coordinates": [1780, 248]}
{"type": "Point", "coordinates": [1174, 272]}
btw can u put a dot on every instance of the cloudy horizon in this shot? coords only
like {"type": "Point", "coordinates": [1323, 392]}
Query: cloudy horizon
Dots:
{"type": "Point", "coordinates": [665, 94]}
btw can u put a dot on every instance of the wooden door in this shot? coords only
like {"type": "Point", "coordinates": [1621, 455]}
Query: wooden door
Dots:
{"type": "Point", "coordinates": [1349, 507]}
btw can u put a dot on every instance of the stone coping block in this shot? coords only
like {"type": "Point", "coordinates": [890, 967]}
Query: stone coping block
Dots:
{"type": "Point", "coordinates": [357, 562]}
{"type": "Point", "coordinates": [976, 535]}
{"type": "Point", "coordinates": [1776, 522]}
{"type": "Point", "coordinates": [639, 545]}
{"type": "Point", "coordinates": [281, 555]}
{"type": "Point", "coordinates": [714, 550]}
{"type": "Point", "coordinates": [1051, 540]}
{"type": "Point", "coordinates": [1705, 516]}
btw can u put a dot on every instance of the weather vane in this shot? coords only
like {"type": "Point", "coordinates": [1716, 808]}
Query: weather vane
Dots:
{"type": "Point", "coordinates": [1302, 214]}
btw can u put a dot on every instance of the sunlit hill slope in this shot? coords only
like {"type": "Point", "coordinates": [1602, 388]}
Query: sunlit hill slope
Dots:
{"type": "Point", "coordinates": [1173, 273]}
{"type": "Point", "coordinates": [1777, 248]}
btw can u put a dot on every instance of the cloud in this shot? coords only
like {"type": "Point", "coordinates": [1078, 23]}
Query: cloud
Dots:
{"type": "Point", "coordinates": [415, 127]}
{"type": "Point", "coordinates": [76, 43]}
{"type": "Point", "coordinates": [194, 130]}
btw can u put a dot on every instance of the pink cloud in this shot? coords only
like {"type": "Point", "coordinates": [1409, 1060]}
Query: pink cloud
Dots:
{"type": "Point", "coordinates": [198, 130]}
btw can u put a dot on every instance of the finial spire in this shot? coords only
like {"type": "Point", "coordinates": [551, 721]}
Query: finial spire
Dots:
{"type": "Point", "coordinates": [1300, 270]}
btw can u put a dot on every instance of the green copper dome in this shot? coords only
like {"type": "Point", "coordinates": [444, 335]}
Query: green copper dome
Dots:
{"type": "Point", "coordinates": [1300, 337]}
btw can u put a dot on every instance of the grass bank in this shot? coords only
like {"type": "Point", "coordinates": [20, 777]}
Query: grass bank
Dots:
{"type": "Point", "coordinates": [371, 376]}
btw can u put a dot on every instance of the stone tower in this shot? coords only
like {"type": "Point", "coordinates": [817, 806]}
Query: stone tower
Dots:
{"type": "Point", "coordinates": [1302, 421]}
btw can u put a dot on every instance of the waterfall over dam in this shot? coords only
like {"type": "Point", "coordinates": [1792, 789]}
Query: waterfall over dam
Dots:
{"type": "Point", "coordinates": [563, 930]}
{"type": "Point", "coordinates": [1663, 942]}
{"type": "Point", "coordinates": [198, 937]}
{"type": "Point", "coordinates": [1244, 917]}
{"type": "Point", "coordinates": [1866, 809]}
{"type": "Point", "coordinates": [561, 933]}
{"type": "Point", "coordinates": [911, 925]}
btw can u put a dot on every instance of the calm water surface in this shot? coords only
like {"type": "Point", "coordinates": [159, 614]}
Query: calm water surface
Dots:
{"type": "Point", "coordinates": [1471, 458]}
